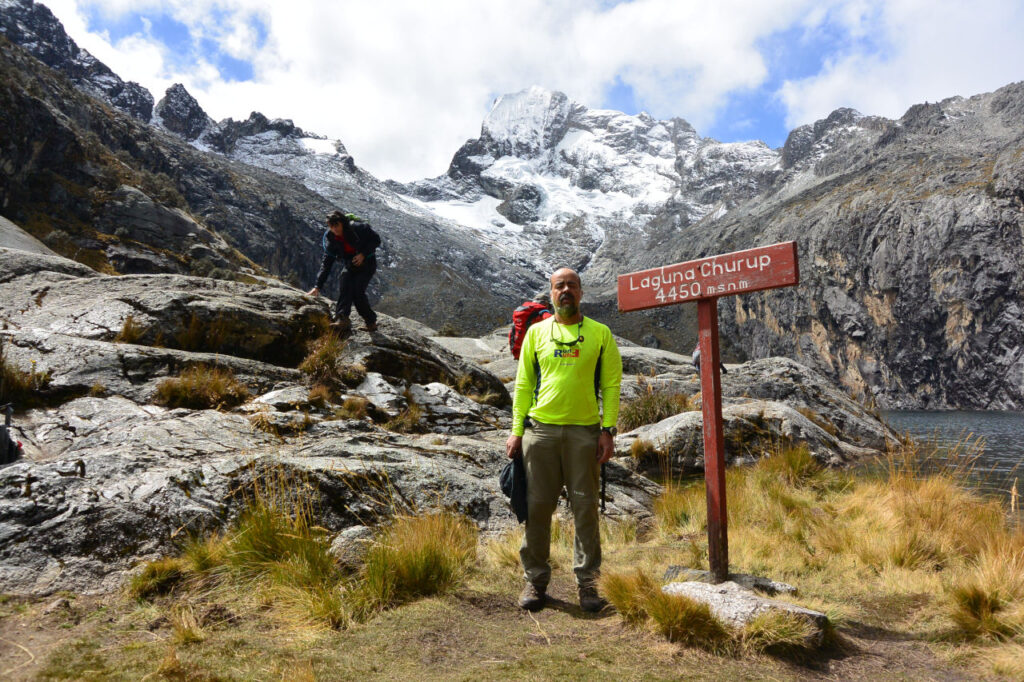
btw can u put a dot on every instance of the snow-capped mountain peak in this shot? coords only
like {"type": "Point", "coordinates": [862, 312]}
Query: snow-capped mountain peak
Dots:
{"type": "Point", "coordinates": [527, 122]}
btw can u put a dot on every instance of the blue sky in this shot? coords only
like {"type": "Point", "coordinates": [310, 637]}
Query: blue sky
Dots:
{"type": "Point", "coordinates": [403, 83]}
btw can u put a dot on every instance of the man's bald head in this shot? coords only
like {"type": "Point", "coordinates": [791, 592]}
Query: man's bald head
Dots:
{"type": "Point", "coordinates": [566, 272]}
{"type": "Point", "coordinates": [566, 292]}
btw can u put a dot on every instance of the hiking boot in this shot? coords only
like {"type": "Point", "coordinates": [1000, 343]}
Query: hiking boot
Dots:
{"type": "Point", "coordinates": [371, 326]}
{"type": "Point", "coordinates": [342, 325]}
{"type": "Point", "coordinates": [590, 600]}
{"type": "Point", "coordinates": [532, 597]}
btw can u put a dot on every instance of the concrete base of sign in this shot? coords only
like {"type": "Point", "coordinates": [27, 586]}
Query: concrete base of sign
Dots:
{"type": "Point", "coordinates": [736, 605]}
{"type": "Point", "coordinates": [751, 582]}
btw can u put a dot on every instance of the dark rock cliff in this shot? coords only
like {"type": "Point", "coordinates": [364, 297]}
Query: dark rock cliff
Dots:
{"type": "Point", "coordinates": [911, 246]}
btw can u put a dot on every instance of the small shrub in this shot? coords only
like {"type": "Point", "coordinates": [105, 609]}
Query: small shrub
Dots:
{"type": "Point", "coordinates": [642, 449]}
{"type": "Point", "coordinates": [201, 387]}
{"type": "Point", "coordinates": [408, 421]}
{"type": "Point", "coordinates": [21, 387]}
{"type": "Point", "coordinates": [355, 407]}
{"type": "Point", "coordinates": [503, 551]}
{"type": "Point", "coordinates": [156, 578]}
{"type": "Point", "coordinates": [686, 621]}
{"type": "Point", "coordinates": [793, 465]}
{"type": "Point", "coordinates": [185, 625]}
{"type": "Point", "coordinates": [320, 395]}
{"type": "Point", "coordinates": [131, 331]}
{"type": "Point", "coordinates": [463, 383]}
{"type": "Point", "coordinates": [675, 506]}
{"type": "Point", "coordinates": [351, 375]}
{"type": "Point", "coordinates": [629, 594]}
{"type": "Point", "coordinates": [652, 406]}
{"type": "Point", "coordinates": [274, 539]}
{"type": "Point", "coordinates": [202, 555]}
{"type": "Point", "coordinates": [321, 364]}
{"type": "Point", "coordinates": [262, 421]}
{"type": "Point", "coordinates": [97, 390]}
{"type": "Point", "coordinates": [988, 599]}
{"type": "Point", "coordinates": [202, 335]}
{"type": "Point", "coordinates": [417, 556]}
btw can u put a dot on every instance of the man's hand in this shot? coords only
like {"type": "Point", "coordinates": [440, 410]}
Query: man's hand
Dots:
{"type": "Point", "coordinates": [358, 259]}
{"type": "Point", "coordinates": [605, 447]}
{"type": "Point", "coordinates": [514, 446]}
{"type": "Point", "coordinates": [315, 291]}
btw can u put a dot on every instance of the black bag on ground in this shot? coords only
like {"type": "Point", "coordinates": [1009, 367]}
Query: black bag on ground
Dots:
{"type": "Point", "coordinates": [513, 484]}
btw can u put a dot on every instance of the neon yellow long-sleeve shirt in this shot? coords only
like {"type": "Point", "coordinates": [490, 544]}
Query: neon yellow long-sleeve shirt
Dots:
{"type": "Point", "coordinates": [558, 381]}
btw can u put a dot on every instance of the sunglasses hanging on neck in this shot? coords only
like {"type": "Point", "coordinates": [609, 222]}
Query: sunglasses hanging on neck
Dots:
{"type": "Point", "coordinates": [579, 335]}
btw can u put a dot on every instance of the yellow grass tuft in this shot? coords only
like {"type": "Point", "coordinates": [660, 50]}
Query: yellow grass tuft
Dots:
{"type": "Point", "coordinates": [417, 556]}
{"type": "Point", "coordinates": [777, 632]}
{"type": "Point", "coordinates": [355, 407]}
{"type": "Point", "coordinates": [156, 578]}
{"type": "Point", "coordinates": [503, 551]}
{"type": "Point", "coordinates": [200, 388]}
{"type": "Point", "coordinates": [651, 406]}
{"type": "Point", "coordinates": [17, 386]}
{"type": "Point", "coordinates": [687, 621]}
{"type": "Point", "coordinates": [629, 593]}
{"type": "Point", "coordinates": [131, 331]}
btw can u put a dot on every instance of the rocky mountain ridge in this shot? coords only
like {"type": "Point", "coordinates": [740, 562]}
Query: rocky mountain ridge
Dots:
{"type": "Point", "coordinates": [128, 197]}
{"type": "Point", "coordinates": [34, 27]}
{"type": "Point", "coordinates": [906, 228]}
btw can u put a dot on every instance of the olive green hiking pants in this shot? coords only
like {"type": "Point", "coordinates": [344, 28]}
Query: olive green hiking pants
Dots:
{"type": "Point", "coordinates": [555, 456]}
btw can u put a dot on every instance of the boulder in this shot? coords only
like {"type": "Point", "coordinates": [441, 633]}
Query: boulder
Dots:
{"type": "Point", "coordinates": [402, 355]}
{"type": "Point", "coordinates": [766, 403]}
{"type": "Point", "coordinates": [349, 547]}
{"type": "Point", "coordinates": [188, 313]}
{"type": "Point", "coordinates": [737, 606]}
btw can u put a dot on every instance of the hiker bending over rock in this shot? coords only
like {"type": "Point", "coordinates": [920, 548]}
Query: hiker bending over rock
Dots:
{"type": "Point", "coordinates": [354, 242]}
{"type": "Point", "coordinates": [566, 360]}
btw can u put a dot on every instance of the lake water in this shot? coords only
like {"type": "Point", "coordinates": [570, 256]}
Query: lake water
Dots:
{"type": "Point", "coordinates": [996, 437]}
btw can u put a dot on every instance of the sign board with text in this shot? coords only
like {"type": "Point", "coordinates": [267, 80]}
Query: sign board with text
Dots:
{"type": "Point", "coordinates": [740, 272]}
{"type": "Point", "coordinates": [703, 281]}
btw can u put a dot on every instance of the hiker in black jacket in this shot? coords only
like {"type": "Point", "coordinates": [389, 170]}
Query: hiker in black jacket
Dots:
{"type": "Point", "coordinates": [354, 242]}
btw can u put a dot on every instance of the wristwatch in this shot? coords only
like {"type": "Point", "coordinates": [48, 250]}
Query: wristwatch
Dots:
{"type": "Point", "coordinates": [610, 430]}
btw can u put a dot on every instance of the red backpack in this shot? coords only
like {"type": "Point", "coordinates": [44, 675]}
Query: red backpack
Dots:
{"type": "Point", "coordinates": [522, 318]}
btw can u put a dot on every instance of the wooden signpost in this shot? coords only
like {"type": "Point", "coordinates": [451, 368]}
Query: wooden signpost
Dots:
{"type": "Point", "coordinates": [704, 281]}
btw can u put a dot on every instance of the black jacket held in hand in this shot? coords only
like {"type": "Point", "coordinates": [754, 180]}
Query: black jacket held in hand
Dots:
{"type": "Point", "coordinates": [357, 234]}
{"type": "Point", "coordinates": [512, 480]}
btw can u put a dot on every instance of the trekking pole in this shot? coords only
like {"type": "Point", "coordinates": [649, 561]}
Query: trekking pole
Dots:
{"type": "Point", "coordinates": [604, 482]}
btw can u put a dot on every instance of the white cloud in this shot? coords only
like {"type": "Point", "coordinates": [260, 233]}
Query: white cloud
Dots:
{"type": "Point", "coordinates": [403, 83]}
{"type": "Point", "coordinates": [919, 50]}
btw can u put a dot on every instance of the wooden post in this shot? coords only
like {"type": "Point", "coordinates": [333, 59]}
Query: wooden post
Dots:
{"type": "Point", "coordinates": [714, 439]}
{"type": "Point", "coordinates": [703, 281]}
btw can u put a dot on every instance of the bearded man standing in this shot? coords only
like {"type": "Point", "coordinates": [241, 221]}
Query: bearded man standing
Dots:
{"type": "Point", "coordinates": [564, 435]}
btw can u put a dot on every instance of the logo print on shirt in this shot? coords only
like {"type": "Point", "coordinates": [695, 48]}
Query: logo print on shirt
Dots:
{"type": "Point", "coordinates": [567, 353]}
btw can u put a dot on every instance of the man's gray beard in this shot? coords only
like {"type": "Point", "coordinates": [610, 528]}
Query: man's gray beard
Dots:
{"type": "Point", "coordinates": [567, 311]}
